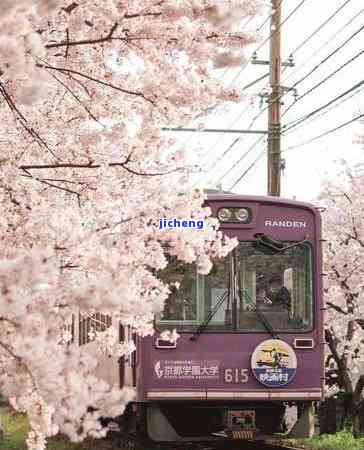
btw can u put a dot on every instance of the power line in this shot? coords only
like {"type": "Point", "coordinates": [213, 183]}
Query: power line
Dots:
{"type": "Point", "coordinates": [320, 27]}
{"type": "Point", "coordinates": [243, 28]}
{"type": "Point", "coordinates": [271, 35]}
{"type": "Point", "coordinates": [313, 114]}
{"type": "Point", "coordinates": [309, 74]}
{"type": "Point", "coordinates": [343, 125]}
{"type": "Point", "coordinates": [312, 55]}
{"type": "Point", "coordinates": [261, 154]}
{"type": "Point", "coordinates": [250, 149]}
{"type": "Point", "coordinates": [317, 137]}
{"type": "Point", "coordinates": [253, 164]}
{"type": "Point", "coordinates": [306, 76]}
{"type": "Point", "coordinates": [217, 130]}
{"type": "Point", "coordinates": [317, 66]}
{"type": "Point", "coordinates": [243, 68]}
{"type": "Point", "coordinates": [299, 121]}
{"type": "Point", "coordinates": [236, 119]}
{"type": "Point", "coordinates": [228, 68]}
{"type": "Point", "coordinates": [262, 44]}
{"type": "Point", "coordinates": [326, 79]}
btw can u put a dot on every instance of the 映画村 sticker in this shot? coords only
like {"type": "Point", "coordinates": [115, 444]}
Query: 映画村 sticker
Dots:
{"type": "Point", "coordinates": [274, 363]}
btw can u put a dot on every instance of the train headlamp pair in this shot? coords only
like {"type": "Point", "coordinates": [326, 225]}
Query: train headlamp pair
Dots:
{"type": "Point", "coordinates": [241, 215]}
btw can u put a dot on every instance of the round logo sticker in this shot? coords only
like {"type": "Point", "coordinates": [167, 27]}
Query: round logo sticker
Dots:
{"type": "Point", "coordinates": [274, 363]}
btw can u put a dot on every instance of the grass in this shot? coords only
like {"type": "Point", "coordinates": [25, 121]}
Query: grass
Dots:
{"type": "Point", "coordinates": [342, 440]}
{"type": "Point", "coordinates": [16, 428]}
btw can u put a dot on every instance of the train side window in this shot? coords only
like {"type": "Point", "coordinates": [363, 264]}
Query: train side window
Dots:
{"type": "Point", "coordinates": [181, 305]}
{"type": "Point", "coordinates": [88, 322]}
{"type": "Point", "coordinates": [215, 289]}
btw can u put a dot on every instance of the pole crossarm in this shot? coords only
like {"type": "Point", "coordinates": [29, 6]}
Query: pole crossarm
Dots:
{"type": "Point", "coordinates": [217, 130]}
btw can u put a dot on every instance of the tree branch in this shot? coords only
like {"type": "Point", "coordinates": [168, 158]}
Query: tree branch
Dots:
{"type": "Point", "coordinates": [47, 183]}
{"type": "Point", "coordinates": [27, 167]}
{"type": "Point", "coordinates": [69, 43]}
{"type": "Point", "coordinates": [359, 387]}
{"type": "Point", "coordinates": [23, 121]}
{"type": "Point", "coordinates": [96, 80]}
{"type": "Point", "coordinates": [78, 100]}
{"type": "Point", "coordinates": [19, 360]}
{"type": "Point", "coordinates": [336, 308]}
{"type": "Point", "coordinates": [339, 361]}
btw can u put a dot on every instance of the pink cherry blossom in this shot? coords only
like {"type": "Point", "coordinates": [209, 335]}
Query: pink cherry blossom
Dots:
{"type": "Point", "coordinates": [344, 283]}
{"type": "Point", "coordinates": [86, 173]}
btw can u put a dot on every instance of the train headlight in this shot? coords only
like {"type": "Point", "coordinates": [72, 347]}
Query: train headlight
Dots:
{"type": "Point", "coordinates": [242, 215]}
{"type": "Point", "coordinates": [224, 214]}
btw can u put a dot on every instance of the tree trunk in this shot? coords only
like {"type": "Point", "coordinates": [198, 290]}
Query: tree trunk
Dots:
{"type": "Point", "coordinates": [353, 408]}
{"type": "Point", "coordinates": [358, 408]}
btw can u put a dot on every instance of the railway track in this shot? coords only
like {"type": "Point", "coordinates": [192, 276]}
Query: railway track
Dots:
{"type": "Point", "coordinates": [246, 445]}
{"type": "Point", "coordinates": [240, 446]}
{"type": "Point", "coordinates": [243, 445]}
{"type": "Point", "coordinates": [137, 444]}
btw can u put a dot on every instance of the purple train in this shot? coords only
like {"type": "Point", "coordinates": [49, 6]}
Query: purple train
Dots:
{"type": "Point", "coordinates": [251, 332]}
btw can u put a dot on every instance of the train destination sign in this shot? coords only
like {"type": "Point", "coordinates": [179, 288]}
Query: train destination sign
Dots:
{"type": "Point", "coordinates": [274, 363]}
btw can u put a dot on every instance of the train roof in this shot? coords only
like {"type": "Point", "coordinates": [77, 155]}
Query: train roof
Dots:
{"type": "Point", "coordinates": [213, 194]}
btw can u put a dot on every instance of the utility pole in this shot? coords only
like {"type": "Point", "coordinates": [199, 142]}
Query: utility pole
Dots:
{"type": "Point", "coordinates": [274, 105]}
{"type": "Point", "coordinates": [275, 164]}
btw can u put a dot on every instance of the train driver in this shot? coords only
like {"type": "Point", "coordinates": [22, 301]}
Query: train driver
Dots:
{"type": "Point", "coordinates": [277, 293]}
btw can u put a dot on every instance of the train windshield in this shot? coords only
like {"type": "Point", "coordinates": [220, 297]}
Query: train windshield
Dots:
{"type": "Point", "coordinates": [240, 289]}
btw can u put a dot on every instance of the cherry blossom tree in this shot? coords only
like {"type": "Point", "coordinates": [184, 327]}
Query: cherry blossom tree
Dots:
{"type": "Point", "coordinates": [86, 173]}
{"type": "Point", "coordinates": [344, 261]}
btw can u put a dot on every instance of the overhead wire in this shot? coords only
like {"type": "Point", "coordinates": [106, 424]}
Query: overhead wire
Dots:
{"type": "Point", "coordinates": [302, 144]}
{"type": "Point", "coordinates": [251, 148]}
{"type": "Point", "coordinates": [326, 133]}
{"type": "Point", "coordinates": [243, 68]}
{"type": "Point", "coordinates": [191, 136]}
{"type": "Point", "coordinates": [325, 22]}
{"type": "Point", "coordinates": [359, 87]}
{"type": "Point", "coordinates": [265, 41]}
{"type": "Point", "coordinates": [315, 68]}
{"type": "Point", "coordinates": [242, 113]}
{"type": "Point", "coordinates": [317, 51]}
{"type": "Point", "coordinates": [243, 175]}
{"type": "Point", "coordinates": [330, 55]}
{"type": "Point", "coordinates": [307, 75]}
{"type": "Point", "coordinates": [243, 28]}
{"type": "Point", "coordinates": [320, 83]}
{"type": "Point", "coordinates": [303, 119]}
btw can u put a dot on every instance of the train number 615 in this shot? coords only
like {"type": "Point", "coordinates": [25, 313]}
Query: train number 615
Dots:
{"type": "Point", "coordinates": [236, 375]}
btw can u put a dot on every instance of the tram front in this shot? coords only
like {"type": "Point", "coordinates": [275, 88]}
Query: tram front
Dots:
{"type": "Point", "coordinates": [251, 331]}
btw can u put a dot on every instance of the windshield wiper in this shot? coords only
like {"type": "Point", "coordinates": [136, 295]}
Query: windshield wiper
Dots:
{"type": "Point", "coordinates": [267, 244]}
{"type": "Point", "coordinates": [211, 314]}
{"type": "Point", "coordinates": [261, 316]}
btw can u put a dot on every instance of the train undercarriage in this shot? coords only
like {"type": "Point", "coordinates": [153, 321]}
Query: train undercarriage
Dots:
{"type": "Point", "coordinates": [169, 423]}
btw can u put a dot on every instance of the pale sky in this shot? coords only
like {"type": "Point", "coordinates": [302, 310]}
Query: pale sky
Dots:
{"type": "Point", "coordinates": [306, 167]}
